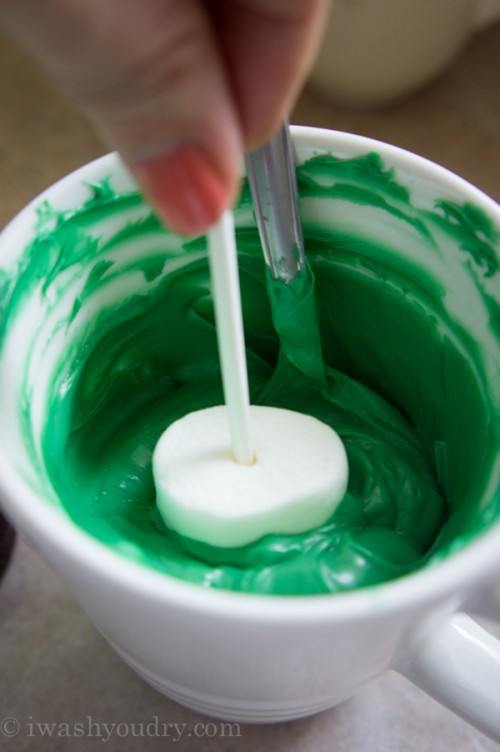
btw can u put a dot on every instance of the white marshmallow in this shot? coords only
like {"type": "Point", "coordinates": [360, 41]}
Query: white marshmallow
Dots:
{"type": "Point", "coordinates": [299, 476]}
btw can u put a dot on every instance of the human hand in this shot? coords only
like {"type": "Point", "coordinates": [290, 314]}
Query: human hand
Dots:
{"type": "Point", "coordinates": [180, 88]}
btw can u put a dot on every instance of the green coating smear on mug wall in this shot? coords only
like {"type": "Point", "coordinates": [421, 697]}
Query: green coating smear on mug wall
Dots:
{"type": "Point", "coordinates": [368, 340]}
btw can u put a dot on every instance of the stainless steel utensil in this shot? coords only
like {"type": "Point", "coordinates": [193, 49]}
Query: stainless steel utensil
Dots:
{"type": "Point", "coordinates": [271, 174]}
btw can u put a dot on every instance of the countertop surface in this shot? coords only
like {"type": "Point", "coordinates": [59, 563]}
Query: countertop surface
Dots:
{"type": "Point", "coordinates": [58, 676]}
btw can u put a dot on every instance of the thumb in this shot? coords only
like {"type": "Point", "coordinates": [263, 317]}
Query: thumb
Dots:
{"type": "Point", "coordinates": [149, 76]}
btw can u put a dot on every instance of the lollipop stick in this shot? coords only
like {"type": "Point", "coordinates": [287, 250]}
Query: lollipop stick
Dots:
{"type": "Point", "coordinates": [230, 337]}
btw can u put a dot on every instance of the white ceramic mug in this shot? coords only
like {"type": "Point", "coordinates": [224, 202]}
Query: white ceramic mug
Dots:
{"type": "Point", "coordinates": [253, 657]}
{"type": "Point", "coordinates": [375, 51]}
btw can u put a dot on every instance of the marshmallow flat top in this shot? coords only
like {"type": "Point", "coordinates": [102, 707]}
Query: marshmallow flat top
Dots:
{"type": "Point", "coordinates": [299, 476]}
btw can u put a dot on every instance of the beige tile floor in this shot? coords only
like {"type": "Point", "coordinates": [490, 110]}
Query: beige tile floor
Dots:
{"type": "Point", "coordinates": [54, 666]}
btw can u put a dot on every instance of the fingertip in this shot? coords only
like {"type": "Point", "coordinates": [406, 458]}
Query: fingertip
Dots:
{"type": "Point", "coordinates": [186, 188]}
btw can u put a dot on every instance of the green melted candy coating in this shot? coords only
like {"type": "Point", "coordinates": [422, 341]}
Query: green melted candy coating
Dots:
{"type": "Point", "coordinates": [367, 348]}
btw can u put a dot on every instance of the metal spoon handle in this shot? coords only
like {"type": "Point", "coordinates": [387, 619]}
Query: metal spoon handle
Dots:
{"type": "Point", "coordinates": [271, 174]}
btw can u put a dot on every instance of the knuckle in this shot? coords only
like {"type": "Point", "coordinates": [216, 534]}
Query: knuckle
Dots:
{"type": "Point", "coordinates": [138, 74]}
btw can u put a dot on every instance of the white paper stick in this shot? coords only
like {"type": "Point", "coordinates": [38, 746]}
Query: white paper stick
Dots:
{"type": "Point", "coordinates": [230, 337]}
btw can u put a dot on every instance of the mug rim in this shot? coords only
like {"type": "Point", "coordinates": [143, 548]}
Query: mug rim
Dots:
{"type": "Point", "coordinates": [450, 577]}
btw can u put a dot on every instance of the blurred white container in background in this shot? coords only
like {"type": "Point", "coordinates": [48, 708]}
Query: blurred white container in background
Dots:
{"type": "Point", "coordinates": [375, 51]}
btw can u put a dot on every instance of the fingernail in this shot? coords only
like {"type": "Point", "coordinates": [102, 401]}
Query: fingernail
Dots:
{"type": "Point", "coordinates": [185, 188]}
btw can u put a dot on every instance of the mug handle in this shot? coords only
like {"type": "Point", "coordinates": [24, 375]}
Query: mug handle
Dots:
{"type": "Point", "coordinates": [458, 664]}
